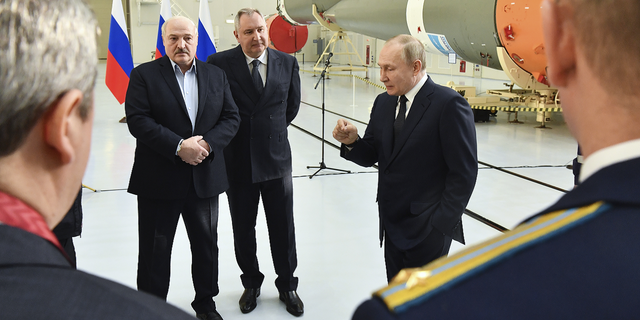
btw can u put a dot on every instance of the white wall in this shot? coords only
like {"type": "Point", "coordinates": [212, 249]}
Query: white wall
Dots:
{"type": "Point", "coordinates": [146, 13]}
{"type": "Point", "coordinates": [144, 27]}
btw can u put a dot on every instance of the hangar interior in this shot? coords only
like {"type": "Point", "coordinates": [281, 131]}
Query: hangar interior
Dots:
{"type": "Point", "coordinates": [523, 169]}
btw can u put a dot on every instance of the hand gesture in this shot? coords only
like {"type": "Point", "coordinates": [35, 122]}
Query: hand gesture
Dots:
{"type": "Point", "coordinates": [345, 132]}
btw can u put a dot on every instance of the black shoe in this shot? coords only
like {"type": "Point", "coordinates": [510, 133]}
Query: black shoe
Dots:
{"type": "Point", "coordinates": [248, 300]}
{"type": "Point", "coordinates": [293, 302]}
{"type": "Point", "coordinates": [213, 315]}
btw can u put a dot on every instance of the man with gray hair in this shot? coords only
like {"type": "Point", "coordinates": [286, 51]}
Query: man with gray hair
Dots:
{"type": "Point", "coordinates": [266, 86]}
{"type": "Point", "coordinates": [426, 157]}
{"type": "Point", "coordinates": [48, 66]}
{"type": "Point", "coordinates": [182, 114]}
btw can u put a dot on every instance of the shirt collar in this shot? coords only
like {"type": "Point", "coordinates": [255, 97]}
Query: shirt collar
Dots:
{"type": "Point", "coordinates": [193, 66]}
{"type": "Point", "coordinates": [262, 58]}
{"type": "Point", "coordinates": [414, 91]}
{"type": "Point", "coordinates": [608, 156]}
{"type": "Point", "coordinates": [15, 213]}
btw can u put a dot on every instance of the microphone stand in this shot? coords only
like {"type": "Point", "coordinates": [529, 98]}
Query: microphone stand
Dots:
{"type": "Point", "coordinates": [322, 164]}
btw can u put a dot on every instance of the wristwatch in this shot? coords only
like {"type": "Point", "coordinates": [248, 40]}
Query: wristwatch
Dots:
{"type": "Point", "coordinates": [179, 146]}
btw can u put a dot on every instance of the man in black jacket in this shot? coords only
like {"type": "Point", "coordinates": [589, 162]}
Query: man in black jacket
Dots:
{"type": "Point", "coordinates": [181, 112]}
{"type": "Point", "coordinates": [266, 87]}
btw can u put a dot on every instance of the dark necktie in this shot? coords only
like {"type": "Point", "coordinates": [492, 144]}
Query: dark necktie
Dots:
{"type": "Point", "coordinates": [255, 74]}
{"type": "Point", "coordinates": [399, 122]}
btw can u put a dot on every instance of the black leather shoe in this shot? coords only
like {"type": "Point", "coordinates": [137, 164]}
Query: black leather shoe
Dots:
{"type": "Point", "coordinates": [213, 315]}
{"type": "Point", "coordinates": [248, 300]}
{"type": "Point", "coordinates": [293, 302]}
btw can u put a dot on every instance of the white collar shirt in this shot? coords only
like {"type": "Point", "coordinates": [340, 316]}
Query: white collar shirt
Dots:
{"type": "Point", "coordinates": [262, 68]}
{"type": "Point", "coordinates": [411, 95]}
{"type": "Point", "coordinates": [188, 83]}
{"type": "Point", "coordinates": [609, 156]}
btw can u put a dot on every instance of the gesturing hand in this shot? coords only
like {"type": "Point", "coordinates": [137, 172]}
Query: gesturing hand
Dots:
{"type": "Point", "coordinates": [345, 132]}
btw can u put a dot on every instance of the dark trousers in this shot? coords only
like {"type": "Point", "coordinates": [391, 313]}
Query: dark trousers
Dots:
{"type": "Point", "coordinates": [277, 199]}
{"type": "Point", "coordinates": [157, 222]}
{"type": "Point", "coordinates": [434, 246]}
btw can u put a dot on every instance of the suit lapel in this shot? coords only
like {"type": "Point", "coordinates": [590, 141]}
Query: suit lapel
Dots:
{"type": "Point", "coordinates": [388, 117]}
{"type": "Point", "coordinates": [238, 62]}
{"type": "Point", "coordinates": [274, 69]}
{"type": "Point", "coordinates": [166, 69]}
{"type": "Point", "coordinates": [203, 84]}
{"type": "Point", "coordinates": [418, 107]}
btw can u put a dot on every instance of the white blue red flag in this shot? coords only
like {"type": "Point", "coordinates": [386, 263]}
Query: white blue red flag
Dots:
{"type": "Point", "coordinates": [165, 14]}
{"type": "Point", "coordinates": [205, 33]}
{"type": "Point", "coordinates": [119, 60]}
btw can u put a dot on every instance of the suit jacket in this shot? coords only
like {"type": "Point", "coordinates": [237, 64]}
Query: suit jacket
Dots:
{"type": "Point", "coordinates": [157, 117]}
{"type": "Point", "coordinates": [261, 151]}
{"type": "Point", "coordinates": [37, 282]}
{"type": "Point", "coordinates": [586, 270]}
{"type": "Point", "coordinates": [426, 181]}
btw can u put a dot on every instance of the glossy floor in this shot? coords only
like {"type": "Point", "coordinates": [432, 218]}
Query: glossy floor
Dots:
{"type": "Point", "coordinates": [339, 259]}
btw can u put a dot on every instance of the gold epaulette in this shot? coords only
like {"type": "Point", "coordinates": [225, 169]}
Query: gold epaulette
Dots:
{"type": "Point", "coordinates": [412, 286]}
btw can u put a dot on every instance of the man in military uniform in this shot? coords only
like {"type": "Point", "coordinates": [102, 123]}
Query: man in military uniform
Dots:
{"type": "Point", "coordinates": [572, 260]}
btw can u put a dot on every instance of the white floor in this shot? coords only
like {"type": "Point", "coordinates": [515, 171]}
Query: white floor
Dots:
{"type": "Point", "coordinates": [339, 259]}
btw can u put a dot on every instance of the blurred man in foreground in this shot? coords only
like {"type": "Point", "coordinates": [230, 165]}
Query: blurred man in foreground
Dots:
{"type": "Point", "coordinates": [48, 64]}
{"type": "Point", "coordinates": [576, 259]}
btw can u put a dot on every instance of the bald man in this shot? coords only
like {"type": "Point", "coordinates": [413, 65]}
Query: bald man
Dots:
{"type": "Point", "coordinates": [426, 156]}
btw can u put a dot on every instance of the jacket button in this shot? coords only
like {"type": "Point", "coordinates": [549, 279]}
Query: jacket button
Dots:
{"type": "Point", "coordinates": [269, 136]}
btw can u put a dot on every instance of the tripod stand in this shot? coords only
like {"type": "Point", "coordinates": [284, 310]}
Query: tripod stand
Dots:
{"type": "Point", "coordinates": [322, 164]}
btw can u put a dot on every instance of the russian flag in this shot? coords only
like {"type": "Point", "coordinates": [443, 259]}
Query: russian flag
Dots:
{"type": "Point", "coordinates": [205, 33]}
{"type": "Point", "coordinates": [119, 60]}
{"type": "Point", "coordinates": [165, 14]}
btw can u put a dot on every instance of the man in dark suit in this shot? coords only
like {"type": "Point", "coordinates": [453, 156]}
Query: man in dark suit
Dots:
{"type": "Point", "coordinates": [427, 159]}
{"type": "Point", "coordinates": [576, 259]}
{"type": "Point", "coordinates": [266, 87]}
{"type": "Point", "coordinates": [48, 58]}
{"type": "Point", "coordinates": [182, 114]}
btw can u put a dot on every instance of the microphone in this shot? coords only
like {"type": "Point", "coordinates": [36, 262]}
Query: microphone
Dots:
{"type": "Point", "coordinates": [329, 58]}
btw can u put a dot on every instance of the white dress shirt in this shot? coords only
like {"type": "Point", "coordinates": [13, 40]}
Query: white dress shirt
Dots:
{"type": "Point", "coordinates": [608, 156]}
{"type": "Point", "coordinates": [262, 68]}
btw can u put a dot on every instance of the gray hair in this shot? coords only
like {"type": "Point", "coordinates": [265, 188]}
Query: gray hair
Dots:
{"type": "Point", "coordinates": [164, 25]}
{"type": "Point", "coordinates": [412, 49]}
{"type": "Point", "coordinates": [47, 48]}
{"type": "Point", "coordinates": [244, 11]}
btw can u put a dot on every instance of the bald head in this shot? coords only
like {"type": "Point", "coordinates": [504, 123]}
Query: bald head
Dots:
{"type": "Point", "coordinates": [412, 49]}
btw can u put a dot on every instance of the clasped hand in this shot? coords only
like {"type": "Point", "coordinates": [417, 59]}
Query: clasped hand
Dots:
{"type": "Point", "coordinates": [194, 150]}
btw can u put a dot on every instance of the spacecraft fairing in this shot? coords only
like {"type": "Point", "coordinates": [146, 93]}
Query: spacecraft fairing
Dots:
{"type": "Point", "coordinates": [480, 31]}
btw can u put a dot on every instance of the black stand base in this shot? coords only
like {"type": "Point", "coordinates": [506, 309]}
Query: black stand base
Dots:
{"type": "Point", "coordinates": [324, 166]}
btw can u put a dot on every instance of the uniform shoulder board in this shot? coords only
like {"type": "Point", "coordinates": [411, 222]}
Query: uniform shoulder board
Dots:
{"type": "Point", "coordinates": [413, 286]}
